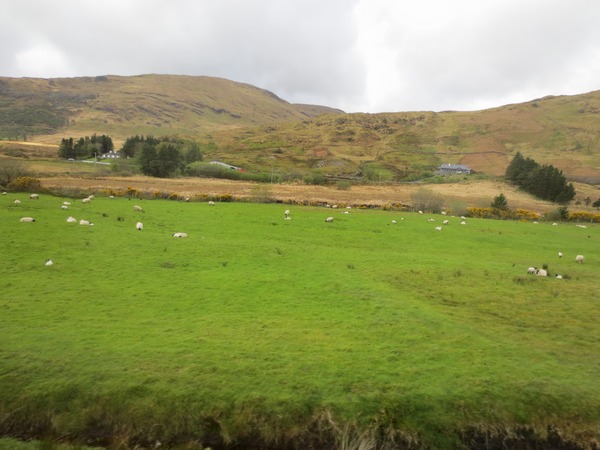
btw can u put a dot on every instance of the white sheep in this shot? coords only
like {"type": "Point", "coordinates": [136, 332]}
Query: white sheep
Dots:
{"type": "Point", "coordinates": [560, 255]}
{"type": "Point", "coordinates": [394, 222]}
{"type": "Point", "coordinates": [558, 276]}
{"type": "Point", "coordinates": [286, 212]}
{"type": "Point", "coordinates": [67, 203]}
{"type": "Point", "coordinates": [287, 218]}
{"type": "Point", "coordinates": [71, 219]}
{"type": "Point", "coordinates": [445, 222]}
{"type": "Point", "coordinates": [463, 222]}
{"type": "Point", "coordinates": [34, 196]}
{"type": "Point", "coordinates": [420, 212]}
{"type": "Point", "coordinates": [17, 201]}
{"type": "Point", "coordinates": [86, 222]}
{"type": "Point", "coordinates": [64, 207]}
{"type": "Point", "coordinates": [139, 226]}
{"type": "Point", "coordinates": [329, 219]}
{"type": "Point", "coordinates": [580, 259]}
{"type": "Point", "coordinates": [4, 193]}
{"type": "Point", "coordinates": [334, 206]}
{"type": "Point", "coordinates": [438, 228]}
{"type": "Point", "coordinates": [541, 273]}
{"type": "Point", "coordinates": [27, 219]}
{"type": "Point", "coordinates": [137, 208]}
{"type": "Point", "coordinates": [180, 235]}
{"type": "Point", "coordinates": [86, 200]}
{"type": "Point", "coordinates": [531, 271]}
{"type": "Point", "coordinates": [49, 262]}
{"type": "Point", "coordinates": [211, 203]}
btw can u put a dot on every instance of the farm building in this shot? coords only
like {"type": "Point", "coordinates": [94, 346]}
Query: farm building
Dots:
{"type": "Point", "coordinates": [453, 169]}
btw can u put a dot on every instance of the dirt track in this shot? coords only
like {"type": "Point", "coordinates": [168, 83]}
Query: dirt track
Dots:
{"type": "Point", "coordinates": [472, 193]}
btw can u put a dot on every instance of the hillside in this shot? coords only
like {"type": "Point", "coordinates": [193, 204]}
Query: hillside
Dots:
{"type": "Point", "coordinates": [563, 131]}
{"type": "Point", "coordinates": [253, 128]}
{"type": "Point", "coordinates": [145, 104]}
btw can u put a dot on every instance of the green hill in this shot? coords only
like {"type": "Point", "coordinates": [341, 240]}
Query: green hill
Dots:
{"type": "Point", "coordinates": [253, 128]}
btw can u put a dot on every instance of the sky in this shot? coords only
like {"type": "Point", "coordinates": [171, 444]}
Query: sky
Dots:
{"type": "Point", "coordinates": [355, 55]}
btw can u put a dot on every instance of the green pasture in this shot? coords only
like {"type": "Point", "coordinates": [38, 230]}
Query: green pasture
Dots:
{"type": "Point", "coordinates": [255, 329]}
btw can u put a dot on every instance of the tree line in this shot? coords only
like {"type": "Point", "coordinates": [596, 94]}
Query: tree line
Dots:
{"type": "Point", "coordinates": [543, 181]}
{"type": "Point", "coordinates": [85, 147]}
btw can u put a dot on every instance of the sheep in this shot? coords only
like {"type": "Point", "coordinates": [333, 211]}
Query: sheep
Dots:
{"type": "Point", "coordinates": [560, 255]}
{"type": "Point", "coordinates": [580, 259]}
{"type": "Point", "coordinates": [420, 212]}
{"type": "Point", "coordinates": [531, 271]}
{"type": "Point", "coordinates": [4, 193]}
{"type": "Point", "coordinates": [137, 208]}
{"type": "Point", "coordinates": [71, 219]}
{"type": "Point", "coordinates": [334, 206]}
{"type": "Point", "coordinates": [463, 222]}
{"type": "Point", "coordinates": [86, 200]}
{"type": "Point", "coordinates": [64, 207]}
{"type": "Point", "coordinates": [394, 222]}
{"type": "Point", "coordinates": [86, 222]}
{"type": "Point", "coordinates": [211, 203]}
{"type": "Point", "coordinates": [287, 218]}
{"type": "Point", "coordinates": [329, 220]}
{"type": "Point", "coordinates": [67, 203]}
{"type": "Point", "coordinates": [139, 226]}
{"type": "Point", "coordinates": [445, 222]}
{"type": "Point", "coordinates": [541, 273]}
{"type": "Point", "coordinates": [286, 212]}
{"type": "Point", "coordinates": [558, 276]}
{"type": "Point", "coordinates": [34, 196]}
{"type": "Point", "coordinates": [49, 262]}
{"type": "Point", "coordinates": [438, 228]}
{"type": "Point", "coordinates": [431, 219]}
{"type": "Point", "coordinates": [180, 235]}
{"type": "Point", "coordinates": [27, 219]}
{"type": "Point", "coordinates": [17, 201]}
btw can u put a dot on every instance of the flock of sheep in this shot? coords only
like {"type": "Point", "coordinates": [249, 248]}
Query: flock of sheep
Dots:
{"type": "Point", "coordinates": [140, 226]}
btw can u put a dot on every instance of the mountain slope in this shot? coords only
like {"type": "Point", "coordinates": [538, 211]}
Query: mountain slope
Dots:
{"type": "Point", "coordinates": [563, 131]}
{"type": "Point", "coordinates": [251, 127]}
{"type": "Point", "coordinates": [145, 104]}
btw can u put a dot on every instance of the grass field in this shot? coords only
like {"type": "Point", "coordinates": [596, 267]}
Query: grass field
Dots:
{"type": "Point", "coordinates": [259, 331]}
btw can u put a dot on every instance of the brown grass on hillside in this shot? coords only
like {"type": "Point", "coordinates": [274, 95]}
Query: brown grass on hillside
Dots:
{"type": "Point", "coordinates": [476, 193]}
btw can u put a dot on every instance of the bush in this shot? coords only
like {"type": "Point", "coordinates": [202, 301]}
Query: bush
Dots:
{"type": "Point", "coordinates": [343, 185]}
{"type": "Point", "coordinates": [25, 184]}
{"type": "Point", "coordinates": [10, 171]}
{"type": "Point", "coordinates": [425, 199]}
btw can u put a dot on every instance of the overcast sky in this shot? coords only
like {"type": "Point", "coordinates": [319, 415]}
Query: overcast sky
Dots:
{"type": "Point", "coordinates": [356, 55]}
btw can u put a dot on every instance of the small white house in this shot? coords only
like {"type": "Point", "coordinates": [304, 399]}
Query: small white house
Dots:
{"type": "Point", "coordinates": [453, 169]}
{"type": "Point", "coordinates": [112, 154]}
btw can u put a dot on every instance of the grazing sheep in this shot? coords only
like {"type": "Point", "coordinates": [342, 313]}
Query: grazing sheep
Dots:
{"type": "Point", "coordinates": [580, 259]}
{"type": "Point", "coordinates": [34, 196]}
{"type": "Point", "coordinates": [431, 219]}
{"type": "Point", "coordinates": [531, 271]}
{"type": "Point", "coordinates": [560, 255]}
{"type": "Point", "coordinates": [139, 226]}
{"type": "Point", "coordinates": [554, 224]}
{"type": "Point", "coordinates": [286, 212]}
{"type": "Point", "coordinates": [558, 276]}
{"type": "Point", "coordinates": [334, 206]}
{"type": "Point", "coordinates": [180, 235]}
{"type": "Point", "coordinates": [17, 202]}
{"type": "Point", "coordinates": [420, 212]}
{"type": "Point", "coordinates": [49, 262]}
{"type": "Point", "coordinates": [438, 228]}
{"type": "Point", "coordinates": [345, 212]}
{"type": "Point", "coordinates": [27, 219]}
{"type": "Point", "coordinates": [86, 222]}
{"type": "Point", "coordinates": [393, 221]}
{"type": "Point", "coordinates": [71, 219]}
{"type": "Point", "coordinates": [329, 219]}
{"type": "Point", "coordinates": [211, 203]}
{"type": "Point", "coordinates": [287, 218]}
{"type": "Point", "coordinates": [445, 222]}
{"type": "Point", "coordinates": [86, 200]}
{"type": "Point", "coordinates": [137, 208]}
{"type": "Point", "coordinates": [463, 222]}
{"type": "Point", "coordinates": [541, 273]}
{"type": "Point", "coordinates": [67, 203]}
{"type": "Point", "coordinates": [4, 193]}
{"type": "Point", "coordinates": [580, 226]}
{"type": "Point", "coordinates": [64, 207]}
